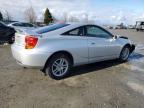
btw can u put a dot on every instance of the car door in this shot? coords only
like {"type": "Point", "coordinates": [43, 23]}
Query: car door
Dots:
{"type": "Point", "coordinates": [77, 44]}
{"type": "Point", "coordinates": [102, 45]}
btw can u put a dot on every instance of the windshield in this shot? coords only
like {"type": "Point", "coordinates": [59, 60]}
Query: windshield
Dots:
{"type": "Point", "coordinates": [50, 28]}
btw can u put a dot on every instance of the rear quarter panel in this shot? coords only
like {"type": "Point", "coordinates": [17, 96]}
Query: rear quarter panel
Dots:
{"type": "Point", "coordinates": [76, 46]}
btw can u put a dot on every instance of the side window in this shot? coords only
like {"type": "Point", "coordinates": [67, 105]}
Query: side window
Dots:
{"type": "Point", "coordinates": [17, 24]}
{"type": "Point", "coordinates": [142, 23]}
{"type": "Point", "coordinates": [27, 25]}
{"type": "Point", "coordinates": [23, 25]}
{"type": "Point", "coordinates": [75, 32]}
{"type": "Point", "coordinates": [94, 31]}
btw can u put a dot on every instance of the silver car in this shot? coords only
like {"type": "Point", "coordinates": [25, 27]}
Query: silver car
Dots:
{"type": "Point", "coordinates": [58, 47]}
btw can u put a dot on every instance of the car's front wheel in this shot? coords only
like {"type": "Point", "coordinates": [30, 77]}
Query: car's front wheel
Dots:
{"type": "Point", "coordinates": [58, 66]}
{"type": "Point", "coordinates": [125, 53]}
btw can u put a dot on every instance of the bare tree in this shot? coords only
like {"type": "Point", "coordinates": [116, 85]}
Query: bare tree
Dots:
{"type": "Point", "coordinates": [7, 16]}
{"type": "Point", "coordinates": [65, 17]}
{"type": "Point", "coordinates": [86, 20]}
{"type": "Point", "coordinates": [73, 19]}
{"type": "Point", "coordinates": [30, 15]}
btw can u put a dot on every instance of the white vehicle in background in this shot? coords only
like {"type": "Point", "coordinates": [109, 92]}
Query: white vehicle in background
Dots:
{"type": "Point", "coordinates": [139, 25]}
{"type": "Point", "coordinates": [131, 27]}
{"type": "Point", "coordinates": [22, 25]}
{"type": "Point", "coordinates": [119, 27]}
{"type": "Point", "coordinates": [58, 47]}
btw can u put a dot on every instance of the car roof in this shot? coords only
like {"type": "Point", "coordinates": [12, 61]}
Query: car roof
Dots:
{"type": "Point", "coordinates": [64, 29]}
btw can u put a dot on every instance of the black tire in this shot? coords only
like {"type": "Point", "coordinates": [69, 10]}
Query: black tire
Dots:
{"type": "Point", "coordinates": [121, 57]}
{"type": "Point", "coordinates": [11, 40]}
{"type": "Point", "coordinates": [49, 66]}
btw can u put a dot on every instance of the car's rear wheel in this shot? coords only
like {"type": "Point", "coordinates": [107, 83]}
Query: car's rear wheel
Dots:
{"type": "Point", "coordinates": [124, 54]}
{"type": "Point", "coordinates": [11, 40]}
{"type": "Point", "coordinates": [58, 66]}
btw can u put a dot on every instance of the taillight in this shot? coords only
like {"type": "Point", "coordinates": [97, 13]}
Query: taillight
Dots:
{"type": "Point", "coordinates": [30, 42]}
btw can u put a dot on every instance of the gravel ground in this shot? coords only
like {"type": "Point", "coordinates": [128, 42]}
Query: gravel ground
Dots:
{"type": "Point", "coordinates": [100, 85]}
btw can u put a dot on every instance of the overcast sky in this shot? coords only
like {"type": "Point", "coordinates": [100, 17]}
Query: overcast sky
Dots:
{"type": "Point", "coordinates": [101, 11]}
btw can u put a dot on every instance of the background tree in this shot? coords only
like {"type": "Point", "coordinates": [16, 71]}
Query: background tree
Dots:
{"type": "Point", "coordinates": [7, 16]}
{"type": "Point", "coordinates": [73, 19]}
{"type": "Point", "coordinates": [47, 17]}
{"type": "Point", "coordinates": [1, 16]}
{"type": "Point", "coordinates": [65, 16]}
{"type": "Point", "coordinates": [30, 15]}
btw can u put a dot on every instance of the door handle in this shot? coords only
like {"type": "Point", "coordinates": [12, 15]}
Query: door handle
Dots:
{"type": "Point", "coordinates": [92, 43]}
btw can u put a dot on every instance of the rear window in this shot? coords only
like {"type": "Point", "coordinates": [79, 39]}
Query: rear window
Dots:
{"type": "Point", "coordinates": [27, 25]}
{"type": "Point", "coordinates": [50, 28]}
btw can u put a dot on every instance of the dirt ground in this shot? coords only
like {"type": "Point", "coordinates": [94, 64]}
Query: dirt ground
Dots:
{"type": "Point", "coordinates": [101, 85]}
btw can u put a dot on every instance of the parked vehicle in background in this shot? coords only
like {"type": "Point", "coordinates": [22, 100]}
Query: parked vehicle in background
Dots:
{"type": "Point", "coordinates": [131, 27]}
{"type": "Point", "coordinates": [139, 25]}
{"type": "Point", "coordinates": [22, 25]}
{"type": "Point", "coordinates": [109, 27]}
{"type": "Point", "coordinates": [119, 27]}
{"type": "Point", "coordinates": [6, 33]}
{"type": "Point", "coordinates": [58, 47]}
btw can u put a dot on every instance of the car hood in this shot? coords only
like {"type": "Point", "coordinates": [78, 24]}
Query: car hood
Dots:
{"type": "Point", "coordinates": [124, 37]}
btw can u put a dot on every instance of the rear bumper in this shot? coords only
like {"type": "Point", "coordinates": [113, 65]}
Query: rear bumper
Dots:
{"type": "Point", "coordinates": [29, 58]}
